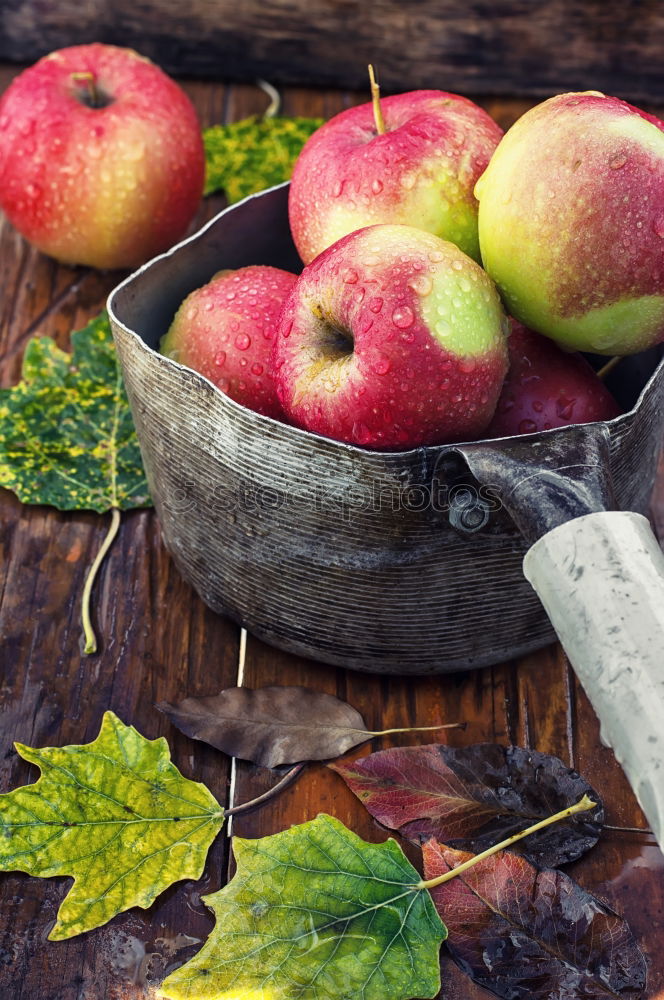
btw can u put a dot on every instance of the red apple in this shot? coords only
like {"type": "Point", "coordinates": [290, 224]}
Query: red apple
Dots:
{"type": "Point", "coordinates": [101, 157]}
{"type": "Point", "coordinates": [546, 387]}
{"type": "Point", "coordinates": [391, 338]}
{"type": "Point", "coordinates": [225, 331]}
{"type": "Point", "coordinates": [420, 172]}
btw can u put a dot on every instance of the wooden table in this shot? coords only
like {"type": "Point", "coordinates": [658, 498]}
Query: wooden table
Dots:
{"type": "Point", "coordinates": [159, 641]}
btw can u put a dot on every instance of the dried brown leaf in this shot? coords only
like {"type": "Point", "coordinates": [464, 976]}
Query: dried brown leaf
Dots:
{"type": "Point", "coordinates": [273, 725]}
{"type": "Point", "coordinates": [520, 931]}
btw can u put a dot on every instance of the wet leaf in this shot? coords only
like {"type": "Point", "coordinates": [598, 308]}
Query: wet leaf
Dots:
{"type": "Point", "coordinates": [274, 725]}
{"type": "Point", "coordinates": [116, 815]}
{"type": "Point", "coordinates": [519, 931]}
{"type": "Point", "coordinates": [317, 913]}
{"type": "Point", "coordinates": [253, 154]}
{"type": "Point", "coordinates": [474, 796]}
{"type": "Point", "coordinates": [66, 433]}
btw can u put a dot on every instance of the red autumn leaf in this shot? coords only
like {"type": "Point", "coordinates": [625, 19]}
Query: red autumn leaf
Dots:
{"type": "Point", "coordinates": [520, 931]}
{"type": "Point", "coordinates": [474, 796]}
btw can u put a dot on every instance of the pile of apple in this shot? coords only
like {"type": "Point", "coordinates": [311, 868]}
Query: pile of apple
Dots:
{"type": "Point", "coordinates": [418, 223]}
{"type": "Point", "coordinates": [394, 336]}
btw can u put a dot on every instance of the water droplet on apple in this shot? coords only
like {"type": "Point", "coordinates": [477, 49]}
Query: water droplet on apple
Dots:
{"type": "Point", "coordinates": [442, 329]}
{"type": "Point", "coordinates": [467, 365]}
{"type": "Point", "coordinates": [337, 189]}
{"type": "Point", "coordinates": [220, 358]}
{"type": "Point", "coordinates": [618, 161]}
{"type": "Point", "coordinates": [565, 408]}
{"type": "Point", "coordinates": [350, 276]}
{"type": "Point", "coordinates": [243, 341]}
{"type": "Point", "coordinates": [366, 324]}
{"type": "Point", "coordinates": [256, 368]}
{"type": "Point", "coordinates": [408, 336]}
{"type": "Point", "coordinates": [136, 152]}
{"type": "Point", "coordinates": [382, 365]}
{"type": "Point", "coordinates": [422, 284]}
{"type": "Point", "coordinates": [457, 265]}
{"type": "Point", "coordinates": [223, 384]}
{"type": "Point", "coordinates": [527, 427]}
{"type": "Point", "coordinates": [376, 305]}
{"type": "Point", "coordinates": [287, 328]}
{"type": "Point", "coordinates": [377, 186]}
{"type": "Point", "coordinates": [658, 226]}
{"type": "Point", "coordinates": [436, 256]}
{"type": "Point", "coordinates": [403, 317]}
{"type": "Point", "coordinates": [408, 181]}
{"type": "Point", "coordinates": [361, 433]}
{"type": "Point", "coordinates": [538, 405]}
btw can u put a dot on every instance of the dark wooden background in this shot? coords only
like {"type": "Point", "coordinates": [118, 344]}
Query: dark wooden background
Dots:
{"type": "Point", "coordinates": [511, 47]}
{"type": "Point", "coordinates": [160, 642]}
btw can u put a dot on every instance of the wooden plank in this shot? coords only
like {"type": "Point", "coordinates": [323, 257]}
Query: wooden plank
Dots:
{"type": "Point", "coordinates": [518, 47]}
{"type": "Point", "coordinates": [158, 641]}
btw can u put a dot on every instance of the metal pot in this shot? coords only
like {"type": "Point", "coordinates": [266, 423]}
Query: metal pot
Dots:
{"type": "Point", "coordinates": [408, 562]}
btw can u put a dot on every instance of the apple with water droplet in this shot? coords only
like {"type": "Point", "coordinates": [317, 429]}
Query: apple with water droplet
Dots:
{"type": "Point", "coordinates": [390, 339]}
{"type": "Point", "coordinates": [101, 157]}
{"type": "Point", "coordinates": [547, 387]}
{"type": "Point", "coordinates": [571, 223]}
{"type": "Point", "coordinates": [225, 331]}
{"type": "Point", "coordinates": [420, 171]}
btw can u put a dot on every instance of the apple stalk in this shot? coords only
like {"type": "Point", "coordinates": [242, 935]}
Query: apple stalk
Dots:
{"type": "Point", "coordinates": [375, 98]}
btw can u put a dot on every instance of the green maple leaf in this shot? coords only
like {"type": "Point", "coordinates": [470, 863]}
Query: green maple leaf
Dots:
{"type": "Point", "coordinates": [117, 815]}
{"type": "Point", "coordinates": [67, 436]}
{"type": "Point", "coordinates": [314, 913]}
{"type": "Point", "coordinates": [253, 154]}
{"type": "Point", "coordinates": [66, 433]}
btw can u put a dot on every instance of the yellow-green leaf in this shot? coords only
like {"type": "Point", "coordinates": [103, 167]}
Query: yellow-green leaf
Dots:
{"type": "Point", "coordinates": [318, 914]}
{"type": "Point", "coordinates": [253, 154]}
{"type": "Point", "coordinates": [67, 436]}
{"type": "Point", "coordinates": [117, 815]}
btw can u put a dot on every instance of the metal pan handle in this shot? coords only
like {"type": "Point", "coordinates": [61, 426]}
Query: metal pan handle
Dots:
{"type": "Point", "coordinates": [599, 573]}
{"type": "Point", "coordinates": [600, 578]}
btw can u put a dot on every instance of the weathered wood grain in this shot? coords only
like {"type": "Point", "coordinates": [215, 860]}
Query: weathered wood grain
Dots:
{"type": "Point", "coordinates": [516, 47]}
{"type": "Point", "coordinates": [157, 641]}
{"type": "Point", "coordinates": [160, 642]}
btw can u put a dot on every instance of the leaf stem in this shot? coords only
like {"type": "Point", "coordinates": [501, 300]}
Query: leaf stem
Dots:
{"type": "Point", "coordinates": [582, 806]}
{"type": "Point", "coordinates": [417, 729]}
{"type": "Point", "coordinates": [607, 368]}
{"type": "Point", "coordinates": [260, 799]}
{"type": "Point", "coordinates": [275, 98]}
{"type": "Point", "coordinates": [90, 638]}
{"type": "Point", "coordinates": [375, 97]}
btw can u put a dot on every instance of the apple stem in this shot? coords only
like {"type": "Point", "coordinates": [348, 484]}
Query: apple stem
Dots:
{"type": "Point", "coordinates": [90, 638]}
{"type": "Point", "coordinates": [582, 806]}
{"type": "Point", "coordinates": [375, 97]}
{"type": "Point", "coordinates": [275, 98]}
{"type": "Point", "coordinates": [609, 366]}
{"type": "Point", "coordinates": [90, 81]}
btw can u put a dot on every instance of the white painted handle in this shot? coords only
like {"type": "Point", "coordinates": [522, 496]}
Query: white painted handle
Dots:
{"type": "Point", "coordinates": [601, 580]}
